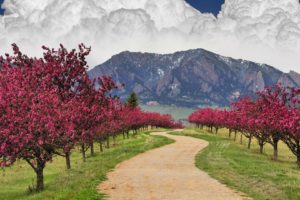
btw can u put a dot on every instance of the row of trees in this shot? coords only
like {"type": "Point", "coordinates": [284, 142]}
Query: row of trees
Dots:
{"type": "Point", "coordinates": [272, 117]}
{"type": "Point", "coordinates": [49, 106]}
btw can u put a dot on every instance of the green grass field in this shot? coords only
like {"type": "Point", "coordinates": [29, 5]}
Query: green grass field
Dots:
{"type": "Point", "coordinates": [176, 112]}
{"type": "Point", "coordinates": [225, 160]}
{"type": "Point", "coordinates": [246, 170]}
{"type": "Point", "coordinates": [81, 181]}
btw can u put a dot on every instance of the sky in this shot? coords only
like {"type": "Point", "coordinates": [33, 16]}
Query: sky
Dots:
{"type": "Point", "coordinates": [211, 6]}
{"type": "Point", "coordinates": [263, 31]}
{"type": "Point", "coordinates": [1, 10]}
{"type": "Point", "coordinates": [208, 6]}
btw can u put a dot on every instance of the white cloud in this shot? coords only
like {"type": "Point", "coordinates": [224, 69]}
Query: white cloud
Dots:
{"type": "Point", "coordinates": [265, 31]}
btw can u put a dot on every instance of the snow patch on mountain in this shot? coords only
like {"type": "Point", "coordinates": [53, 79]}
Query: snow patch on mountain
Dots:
{"type": "Point", "coordinates": [160, 72]}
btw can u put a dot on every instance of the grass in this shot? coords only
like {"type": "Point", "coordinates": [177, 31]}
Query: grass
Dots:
{"type": "Point", "coordinates": [81, 181]}
{"type": "Point", "coordinates": [246, 170]}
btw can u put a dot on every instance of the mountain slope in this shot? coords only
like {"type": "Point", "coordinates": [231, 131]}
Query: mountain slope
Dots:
{"type": "Point", "coordinates": [190, 78]}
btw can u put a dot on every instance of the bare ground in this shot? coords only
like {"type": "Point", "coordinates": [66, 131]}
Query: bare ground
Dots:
{"type": "Point", "coordinates": [166, 173]}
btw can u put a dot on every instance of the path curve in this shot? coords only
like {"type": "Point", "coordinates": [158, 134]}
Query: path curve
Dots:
{"type": "Point", "coordinates": [165, 173]}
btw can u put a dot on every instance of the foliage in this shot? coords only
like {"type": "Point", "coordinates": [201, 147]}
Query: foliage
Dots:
{"type": "Point", "coordinates": [273, 116]}
{"type": "Point", "coordinates": [132, 100]}
{"type": "Point", "coordinates": [49, 105]}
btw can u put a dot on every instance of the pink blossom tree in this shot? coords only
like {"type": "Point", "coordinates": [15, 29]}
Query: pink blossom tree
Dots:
{"type": "Point", "coordinates": [31, 119]}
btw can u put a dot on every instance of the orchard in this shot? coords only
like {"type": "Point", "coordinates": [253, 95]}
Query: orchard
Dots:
{"type": "Point", "coordinates": [49, 106]}
{"type": "Point", "coordinates": [273, 116]}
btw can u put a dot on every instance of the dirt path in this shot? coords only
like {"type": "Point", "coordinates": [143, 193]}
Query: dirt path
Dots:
{"type": "Point", "coordinates": [166, 173]}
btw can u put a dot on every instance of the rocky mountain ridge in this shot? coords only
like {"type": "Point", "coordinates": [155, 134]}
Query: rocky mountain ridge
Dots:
{"type": "Point", "coordinates": [190, 78]}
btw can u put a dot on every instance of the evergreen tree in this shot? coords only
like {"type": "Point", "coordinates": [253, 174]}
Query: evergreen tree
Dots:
{"type": "Point", "coordinates": [132, 100]}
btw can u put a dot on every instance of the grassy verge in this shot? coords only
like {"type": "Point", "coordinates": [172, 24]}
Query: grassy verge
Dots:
{"type": "Point", "coordinates": [80, 182]}
{"type": "Point", "coordinates": [246, 170]}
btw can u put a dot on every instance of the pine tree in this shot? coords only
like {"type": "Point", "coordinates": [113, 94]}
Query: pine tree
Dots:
{"type": "Point", "coordinates": [132, 100]}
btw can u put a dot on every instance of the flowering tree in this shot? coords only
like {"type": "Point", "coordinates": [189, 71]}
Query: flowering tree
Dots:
{"type": "Point", "coordinates": [274, 104]}
{"type": "Point", "coordinates": [49, 105]}
{"type": "Point", "coordinates": [66, 72]}
{"type": "Point", "coordinates": [90, 109]}
{"type": "Point", "coordinates": [244, 115]}
{"type": "Point", "coordinates": [273, 116]}
{"type": "Point", "coordinates": [288, 122]}
{"type": "Point", "coordinates": [31, 120]}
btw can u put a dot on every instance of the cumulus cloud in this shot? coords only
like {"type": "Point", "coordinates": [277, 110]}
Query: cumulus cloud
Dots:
{"type": "Point", "coordinates": [266, 31]}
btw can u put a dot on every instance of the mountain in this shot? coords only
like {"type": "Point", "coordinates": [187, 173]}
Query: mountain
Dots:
{"type": "Point", "coordinates": [190, 78]}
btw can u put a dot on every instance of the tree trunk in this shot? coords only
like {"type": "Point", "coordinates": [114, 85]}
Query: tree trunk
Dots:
{"type": "Point", "coordinates": [217, 129]}
{"type": "Point", "coordinates": [40, 175]}
{"type": "Point", "coordinates": [127, 133]}
{"type": "Point", "coordinates": [241, 139]}
{"type": "Point", "coordinates": [107, 142]}
{"type": "Point", "coordinates": [235, 132]}
{"type": "Point", "coordinates": [92, 149]}
{"type": "Point", "coordinates": [261, 147]}
{"type": "Point", "coordinates": [123, 135]}
{"type": "Point", "coordinates": [83, 152]}
{"type": "Point", "coordinates": [101, 146]}
{"type": "Point", "coordinates": [40, 180]}
{"type": "Point", "coordinates": [298, 160]}
{"type": "Point", "coordinates": [249, 142]}
{"type": "Point", "coordinates": [275, 148]}
{"type": "Point", "coordinates": [229, 134]}
{"type": "Point", "coordinates": [68, 161]}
